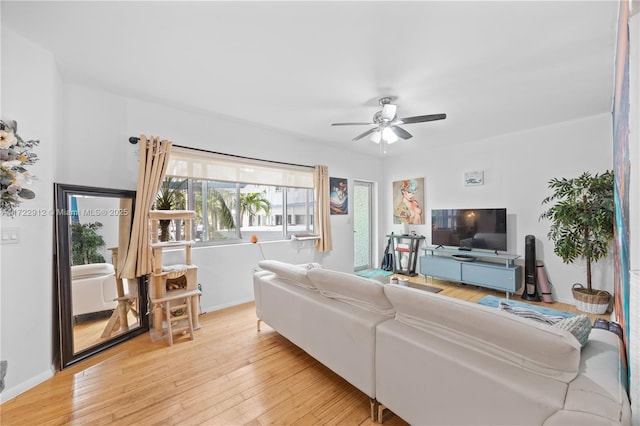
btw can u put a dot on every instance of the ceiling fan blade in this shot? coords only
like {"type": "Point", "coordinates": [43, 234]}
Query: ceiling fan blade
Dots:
{"type": "Point", "coordinates": [422, 118]}
{"type": "Point", "coordinates": [400, 132]}
{"type": "Point", "coordinates": [352, 124]}
{"type": "Point", "coordinates": [367, 133]}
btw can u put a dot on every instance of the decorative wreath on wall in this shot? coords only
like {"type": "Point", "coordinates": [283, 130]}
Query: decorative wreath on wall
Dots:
{"type": "Point", "coordinates": [15, 156]}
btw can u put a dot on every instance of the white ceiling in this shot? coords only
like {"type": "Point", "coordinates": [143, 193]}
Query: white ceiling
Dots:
{"type": "Point", "coordinates": [492, 67]}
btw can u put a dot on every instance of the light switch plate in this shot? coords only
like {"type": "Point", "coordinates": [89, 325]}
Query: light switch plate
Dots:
{"type": "Point", "coordinates": [10, 235]}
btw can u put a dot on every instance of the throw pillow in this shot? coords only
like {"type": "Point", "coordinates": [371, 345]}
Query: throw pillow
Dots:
{"type": "Point", "coordinates": [579, 326]}
{"type": "Point", "coordinates": [611, 326]}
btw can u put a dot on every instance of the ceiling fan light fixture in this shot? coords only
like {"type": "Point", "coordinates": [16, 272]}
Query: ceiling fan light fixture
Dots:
{"type": "Point", "coordinates": [389, 135]}
{"type": "Point", "coordinates": [386, 125]}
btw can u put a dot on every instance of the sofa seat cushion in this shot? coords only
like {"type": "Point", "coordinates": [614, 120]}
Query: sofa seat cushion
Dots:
{"type": "Point", "coordinates": [294, 274]}
{"type": "Point", "coordinates": [534, 346]}
{"type": "Point", "coordinates": [362, 292]}
{"type": "Point", "coordinates": [599, 388]}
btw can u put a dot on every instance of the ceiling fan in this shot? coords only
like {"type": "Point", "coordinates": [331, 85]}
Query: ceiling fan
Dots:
{"type": "Point", "coordinates": [387, 124]}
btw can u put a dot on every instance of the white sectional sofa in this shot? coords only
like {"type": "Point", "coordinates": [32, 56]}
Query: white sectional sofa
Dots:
{"type": "Point", "coordinates": [432, 359]}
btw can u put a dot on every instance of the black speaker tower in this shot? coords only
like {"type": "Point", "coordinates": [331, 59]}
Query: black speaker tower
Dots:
{"type": "Point", "coordinates": [530, 274]}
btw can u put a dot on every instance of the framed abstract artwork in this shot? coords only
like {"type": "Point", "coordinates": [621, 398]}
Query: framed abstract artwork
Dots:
{"type": "Point", "coordinates": [408, 201]}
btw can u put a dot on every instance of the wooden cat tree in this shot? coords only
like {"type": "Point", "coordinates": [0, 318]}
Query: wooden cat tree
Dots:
{"type": "Point", "coordinates": [173, 289]}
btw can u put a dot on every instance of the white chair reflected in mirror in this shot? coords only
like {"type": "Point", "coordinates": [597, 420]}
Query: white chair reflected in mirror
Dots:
{"type": "Point", "coordinates": [94, 288]}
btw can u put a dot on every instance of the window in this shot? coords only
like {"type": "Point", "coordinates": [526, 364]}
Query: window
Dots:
{"type": "Point", "coordinates": [299, 210]}
{"type": "Point", "coordinates": [235, 198]}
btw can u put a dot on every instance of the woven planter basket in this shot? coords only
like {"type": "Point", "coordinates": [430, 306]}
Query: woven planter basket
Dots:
{"type": "Point", "coordinates": [594, 302]}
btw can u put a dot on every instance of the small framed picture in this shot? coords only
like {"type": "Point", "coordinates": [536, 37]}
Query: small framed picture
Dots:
{"type": "Point", "coordinates": [339, 197]}
{"type": "Point", "coordinates": [474, 178]}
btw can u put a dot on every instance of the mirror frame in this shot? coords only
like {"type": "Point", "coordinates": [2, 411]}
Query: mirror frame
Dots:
{"type": "Point", "coordinates": [62, 264]}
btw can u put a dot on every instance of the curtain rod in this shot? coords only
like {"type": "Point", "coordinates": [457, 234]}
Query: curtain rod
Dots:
{"type": "Point", "coordinates": [134, 140]}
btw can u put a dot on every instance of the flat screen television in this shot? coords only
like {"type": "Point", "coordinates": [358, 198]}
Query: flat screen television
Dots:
{"type": "Point", "coordinates": [470, 228]}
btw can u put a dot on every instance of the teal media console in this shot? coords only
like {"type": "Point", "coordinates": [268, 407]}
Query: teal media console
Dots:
{"type": "Point", "coordinates": [463, 266]}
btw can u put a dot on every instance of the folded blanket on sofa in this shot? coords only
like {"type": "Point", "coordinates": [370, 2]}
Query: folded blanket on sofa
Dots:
{"type": "Point", "coordinates": [529, 313]}
{"type": "Point", "coordinates": [579, 325]}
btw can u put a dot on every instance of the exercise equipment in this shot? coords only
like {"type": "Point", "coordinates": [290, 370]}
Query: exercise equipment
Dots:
{"type": "Point", "coordinates": [543, 282]}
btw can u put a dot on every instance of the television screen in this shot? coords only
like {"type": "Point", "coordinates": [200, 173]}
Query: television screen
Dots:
{"type": "Point", "coordinates": [470, 228]}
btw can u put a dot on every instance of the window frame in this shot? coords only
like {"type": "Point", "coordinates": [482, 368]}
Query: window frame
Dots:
{"type": "Point", "coordinates": [278, 169]}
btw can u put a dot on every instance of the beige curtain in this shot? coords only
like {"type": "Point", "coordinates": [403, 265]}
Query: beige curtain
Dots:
{"type": "Point", "coordinates": [323, 212]}
{"type": "Point", "coordinates": [154, 157]}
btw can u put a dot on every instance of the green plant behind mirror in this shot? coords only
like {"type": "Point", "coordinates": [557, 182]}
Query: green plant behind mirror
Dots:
{"type": "Point", "coordinates": [582, 217]}
{"type": "Point", "coordinates": [85, 242]}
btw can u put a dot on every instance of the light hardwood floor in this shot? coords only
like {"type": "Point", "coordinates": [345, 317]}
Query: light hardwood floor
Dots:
{"type": "Point", "coordinates": [89, 333]}
{"type": "Point", "coordinates": [230, 374]}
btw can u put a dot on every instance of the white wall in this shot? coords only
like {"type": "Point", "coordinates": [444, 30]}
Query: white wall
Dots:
{"type": "Point", "coordinates": [517, 168]}
{"type": "Point", "coordinates": [95, 141]}
{"type": "Point", "coordinates": [30, 93]}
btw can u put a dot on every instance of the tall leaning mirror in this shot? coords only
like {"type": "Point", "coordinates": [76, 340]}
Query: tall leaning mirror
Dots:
{"type": "Point", "coordinates": [96, 308]}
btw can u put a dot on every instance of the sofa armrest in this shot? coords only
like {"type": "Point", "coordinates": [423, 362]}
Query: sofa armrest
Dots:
{"type": "Point", "coordinates": [599, 391]}
{"type": "Point", "coordinates": [257, 290]}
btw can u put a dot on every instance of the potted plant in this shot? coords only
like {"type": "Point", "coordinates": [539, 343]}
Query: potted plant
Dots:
{"type": "Point", "coordinates": [170, 197]}
{"type": "Point", "coordinates": [582, 223]}
{"type": "Point", "coordinates": [85, 242]}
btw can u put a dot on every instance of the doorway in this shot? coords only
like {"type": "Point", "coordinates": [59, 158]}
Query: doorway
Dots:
{"type": "Point", "coordinates": [362, 225]}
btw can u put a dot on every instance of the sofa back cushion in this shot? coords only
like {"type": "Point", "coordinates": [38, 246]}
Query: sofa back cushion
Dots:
{"type": "Point", "coordinates": [538, 347]}
{"type": "Point", "coordinates": [294, 274]}
{"type": "Point", "coordinates": [362, 292]}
